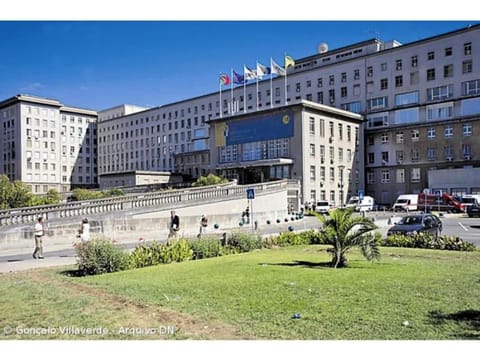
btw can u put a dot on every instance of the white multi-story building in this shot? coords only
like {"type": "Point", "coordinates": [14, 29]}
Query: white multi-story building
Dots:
{"type": "Point", "coordinates": [406, 93]}
{"type": "Point", "coordinates": [47, 145]}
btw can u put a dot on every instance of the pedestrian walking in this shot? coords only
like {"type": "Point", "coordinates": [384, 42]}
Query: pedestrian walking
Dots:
{"type": "Point", "coordinates": [174, 225]}
{"type": "Point", "coordinates": [39, 232]}
{"type": "Point", "coordinates": [203, 225]}
{"type": "Point", "coordinates": [84, 231]}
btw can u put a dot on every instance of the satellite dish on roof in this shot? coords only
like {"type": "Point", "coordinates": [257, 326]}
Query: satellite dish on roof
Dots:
{"type": "Point", "coordinates": [322, 48]}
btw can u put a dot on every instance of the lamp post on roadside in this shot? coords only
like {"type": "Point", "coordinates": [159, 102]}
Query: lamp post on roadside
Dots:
{"type": "Point", "coordinates": [340, 184]}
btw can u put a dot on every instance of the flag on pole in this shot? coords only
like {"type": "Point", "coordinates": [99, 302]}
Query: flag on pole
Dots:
{"type": "Point", "coordinates": [262, 70]}
{"type": "Point", "coordinates": [224, 79]}
{"type": "Point", "coordinates": [289, 61]}
{"type": "Point", "coordinates": [237, 78]}
{"type": "Point", "coordinates": [249, 74]}
{"type": "Point", "coordinates": [277, 69]}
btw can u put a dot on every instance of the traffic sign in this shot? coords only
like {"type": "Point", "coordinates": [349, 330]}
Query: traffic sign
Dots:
{"type": "Point", "coordinates": [250, 193]}
{"type": "Point", "coordinates": [438, 193]}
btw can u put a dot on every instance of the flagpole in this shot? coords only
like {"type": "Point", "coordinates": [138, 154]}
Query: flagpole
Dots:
{"type": "Point", "coordinates": [220, 91]}
{"type": "Point", "coordinates": [271, 84]}
{"type": "Point", "coordinates": [231, 89]}
{"type": "Point", "coordinates": [286, 102]}
{"type": "Point", "coordinates": [244, 91]}
{"type": "Point", "coordinates": [257, 85]}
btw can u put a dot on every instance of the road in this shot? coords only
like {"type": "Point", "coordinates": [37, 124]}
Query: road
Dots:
{"type": "Point", "coordinates": [453, 225]}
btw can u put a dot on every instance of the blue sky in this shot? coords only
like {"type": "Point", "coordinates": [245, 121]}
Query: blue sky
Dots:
{"type": "Point", "coordinates": [100, 64]}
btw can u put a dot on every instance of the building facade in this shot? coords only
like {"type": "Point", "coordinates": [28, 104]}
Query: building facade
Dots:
{"type": "Point", "coordinates": [420, 101]}
{"type": "Point", "coordinates": [47, 145]}
{"type": "Point", "coordinates": [316, 144]}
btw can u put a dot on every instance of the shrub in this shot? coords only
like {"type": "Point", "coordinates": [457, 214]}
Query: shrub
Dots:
{"type": "Point", "coordinates": [429, 241]}
{"type": "Point", "coordinates": [244, 242]}
{"type": "Point", "coordinates": [156, 253]}
{"type": "Point", "coordinates": [206, 248]}
{"type": "Point", "coordinates": [100, 256]}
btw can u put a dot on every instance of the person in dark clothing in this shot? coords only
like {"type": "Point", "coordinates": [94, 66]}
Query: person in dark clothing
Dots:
{"type": "Point", "coordinates": [174, 225]}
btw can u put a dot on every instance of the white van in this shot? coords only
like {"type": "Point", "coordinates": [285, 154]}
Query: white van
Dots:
{"type": "Point", "coordinates": [469, 200]}
{"type": "Point", "coordinates": [406, 202]}
{"type": "Point", "coordinates": [366, 204]}
{"type": "Point", "coordinates": [322, 207]}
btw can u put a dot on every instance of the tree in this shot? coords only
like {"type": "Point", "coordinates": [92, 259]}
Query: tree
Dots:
{"type": "Point", "coordinates": [210, 179]}
{"type": "Point", "coordinates": [53, 197]}
{"type": "Point", "coordinates": [5, 191]}
{"type": "Point", "coordinates": [344, 231]}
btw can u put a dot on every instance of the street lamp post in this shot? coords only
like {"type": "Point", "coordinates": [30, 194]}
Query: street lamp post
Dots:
{"type": "Point", "coordinates": [340, 184]}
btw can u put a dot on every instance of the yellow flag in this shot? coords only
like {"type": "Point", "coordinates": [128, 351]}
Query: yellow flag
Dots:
{"type": "Point", "coordinates": [289, 61]}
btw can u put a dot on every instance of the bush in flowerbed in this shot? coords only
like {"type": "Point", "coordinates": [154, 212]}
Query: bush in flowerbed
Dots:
{"type": "Point", "coordinates": [244, 242]}
{"type": "Point", "coordinates": [429, 241]}
{"type": "Point", "coordinates": [155, 253]}
{"type": "Point", "coordinates": [100, 256]}
{"type": "Point", "coordinates": [206, 248]}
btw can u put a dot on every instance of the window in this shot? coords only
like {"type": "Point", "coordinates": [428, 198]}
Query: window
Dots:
{"type": "Point", "coordinates": [439, 111]}
{"type": "Point", "coordinates": [415, 135]}
{"type": "Point", "coordinates": [398, 65]}
{"type": "Point", "coordinates": [383, 66]}
{"type": "Point", "coordinates": [371, 158]}
{"type": "Point", "coordinates": [448, 51]}
{"type": "Point", "coordinates": [370, 177]}
{"type": "Point", "coordinates": [440, 92]}
{"type": "Point", "coordinates": [407, 116]}
{"type": "Point", "coordinates": [448, 151]}
{"type": "Point", "coordinates": [344, 77]}
{"type": "Point", "coordinates": [322, 173]}
{"type": "Point", "coordinates": [414, 78]}
{"type": "Point", "coordinates": [319, 82]}
{"type": "Point", "coordinates": [332, 174]}
{"type": "Point", "coordinates": [399, 137]}
{"type": "Point", "coordinates": [340, 131]}
{"type": "Point", "coordinates": [356, 90]}
{"type": "Point", "coordinates": [384, 138]}
{"type": "Point", "coordinates": [399, 156]}
{"type": "Point", "coordinates": [414, 61]}
{"type": "Point", "coordinates": [343, 92]}
{"type": "Point", "coordinates": [320, 97]}
{"type": "Point", "coordinates": [399, 81]}
{"type": "Point", "coordinates": [331, 80]}
{"type": "Point", "coordinates": [383, 84]}
{"type": "Point", "coordinates": [377, 103]}
{"type": "Point", "coordinates": [407, 98]}
{"type": "Point", "coordinates": [400, 178]}
{"type": "Point", "coordinates": [466, 150]}
{"type": "Point", "coordinates": [331, 95]}
{"type": "Point", "coordinates": [312, 149]}
{"type": "Point", "coordinates": [448, 131]}
{"type": "Point", "coordinates": [471, 87]}
{"type": "Point", "coordinates": [431, 153]}
{"type": "Point", "coordinates": [431, 55]}
{"type": "Point", "coordinates": [415, 175]}
{"type": "Point", "coordinates": [370, 71]}
{"type": "Point", "coordinates": [467, 48]}
{"type": "Point", "coordinates": [309, 83]}
{"type": "Point", "coordinates": [371, 140]}
{"type": "Point", "coordinates": [297, 87]}
{"type": "Point", "coordinates": [431, 133]}
{"type": "Point", "coordinates": [415, 154]}
{"type": "Point", "coordinates": [467, 129]}
{"type": "Point", "coordinates": [312, 172]}
{"type": "Point", "coordinates": [384, 157]}
{"type": "Point", "coordinates": [385, 176]}
{"type": "Point", "coordinates": [467, 66]}
{"type": "Point", "coordinates": [448, 71]}
{"type": "Point", "coordinates": [356, 74]}
{"type": "Point", "coordinates": [312, 126]}
{"type": "Point", "coordinates": [430, 74]}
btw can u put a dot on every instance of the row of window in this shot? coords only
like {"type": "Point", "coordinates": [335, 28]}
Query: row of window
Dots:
{"type": "Point", "coordinates": [333, 196]}
{"type": "Point", "coordinates": [400, 176]}
{"type": "Point", "coordinates": [467, 130]}
{"type": "Point", "coordinates": [323, 169]}
{"type": "Point", "coordinates": [431, 154]}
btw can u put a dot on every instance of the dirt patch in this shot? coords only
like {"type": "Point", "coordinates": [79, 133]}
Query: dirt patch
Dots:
{"type": "Point", "coordinates": [135, 314]}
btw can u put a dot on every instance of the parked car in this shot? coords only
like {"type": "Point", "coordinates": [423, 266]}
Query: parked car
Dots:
{"type": "Point", "coordinates": [322, 207]}
{"type": "Point", "coordinates": [473, 210]}
{"type": "Point", "coordinates": [414, 224]}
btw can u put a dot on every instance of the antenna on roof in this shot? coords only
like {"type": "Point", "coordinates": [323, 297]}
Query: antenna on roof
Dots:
{"type": "Point", "coordinates": [322, 48]}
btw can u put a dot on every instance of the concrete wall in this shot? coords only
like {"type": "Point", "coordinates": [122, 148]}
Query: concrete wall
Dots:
{"type": "Point", "coordinates": [152, 225]}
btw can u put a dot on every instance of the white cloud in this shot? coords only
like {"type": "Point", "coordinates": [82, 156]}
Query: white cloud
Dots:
{"type": "Point", "coordinates": [33, 86]}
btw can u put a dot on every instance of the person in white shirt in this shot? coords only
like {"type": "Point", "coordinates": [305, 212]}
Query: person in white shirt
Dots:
{"type": "Point", "coordinates": [85, 230]}
{"type": "Point", "coordinates": [38, 232]}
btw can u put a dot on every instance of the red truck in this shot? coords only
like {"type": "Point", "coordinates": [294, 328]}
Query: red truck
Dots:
{"type": "Point", "coordinates": [439, 202]}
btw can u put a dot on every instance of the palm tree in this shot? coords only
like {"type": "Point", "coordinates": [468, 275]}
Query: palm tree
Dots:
{"type": "Point", "coordinates": [343, 231]}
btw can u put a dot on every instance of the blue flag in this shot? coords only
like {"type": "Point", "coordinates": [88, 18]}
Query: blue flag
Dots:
{"type": "Point", "coordinates": [238, 79]}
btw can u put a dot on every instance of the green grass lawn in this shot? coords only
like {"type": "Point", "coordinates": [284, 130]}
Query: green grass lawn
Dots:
{"type": "Point", "coordinates": [254, 295]}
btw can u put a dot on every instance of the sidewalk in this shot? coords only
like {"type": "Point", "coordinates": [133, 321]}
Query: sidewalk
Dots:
{"type": "Point", "coordinates": [21, 265]}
